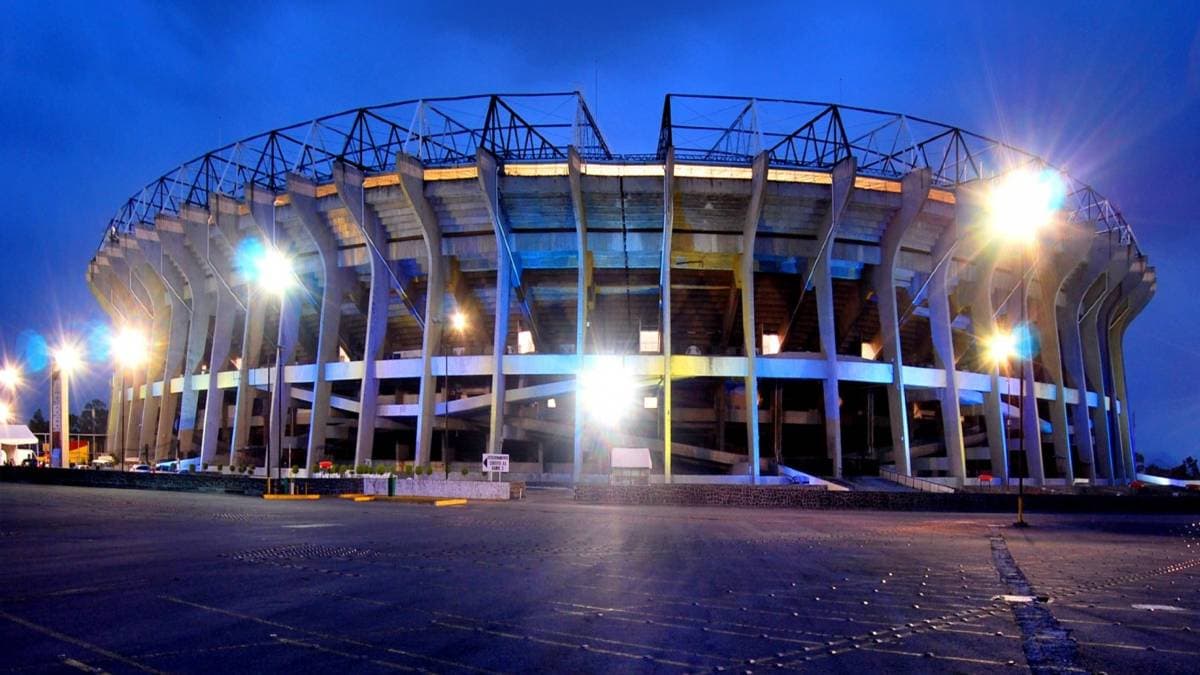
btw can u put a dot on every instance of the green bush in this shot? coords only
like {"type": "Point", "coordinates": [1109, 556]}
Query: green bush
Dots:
{"type": "Point", "coordinates": [464, 471]}
{"type": "Point", "coordinates": [192, 469]}
{"type": "Point", "coordinates": [362, 469]}
{"type": "Point", "coordinates": [408, 471]}
{"type": "Point", "coordinates": [428, 470]}
{"type": "Point", "coordinates": [295, 470]}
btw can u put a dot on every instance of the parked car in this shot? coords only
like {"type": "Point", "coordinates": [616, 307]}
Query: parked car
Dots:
{"type": "Point", "coordinates": [141, 468]}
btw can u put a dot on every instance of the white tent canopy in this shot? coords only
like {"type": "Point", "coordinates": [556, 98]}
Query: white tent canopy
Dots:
{"type": "Point", "coordinates": [16, 434]}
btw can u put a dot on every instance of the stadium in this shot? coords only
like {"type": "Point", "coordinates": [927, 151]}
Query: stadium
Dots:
{"type": "Point", "coordinates": [783, 288]}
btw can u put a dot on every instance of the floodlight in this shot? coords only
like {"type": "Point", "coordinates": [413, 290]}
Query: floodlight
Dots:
{"type": "Point", "coordinates": [1023, 202]}
{"type": "Point", "coordinates": [68, 358]}
{"type": "Point", "coordinates": [10, 377]}
{"type": "Point", "coordinates": [273, 271]}
{"type": "Point", "coordinates": [129, 347]}
{"type": "Point", "coordinates": [607, 392]}
{"type": "Point", "coordinates": [1001, 347]}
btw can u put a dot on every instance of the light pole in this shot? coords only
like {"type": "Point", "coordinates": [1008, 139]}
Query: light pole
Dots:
{"type": "Point", "coordinates": [458, 323]}
{"type": "Point", "coordinates": [66, 359]}
{"type": "Point", "coordinates": [274, 274]}
{"type": "Point", "coordinates": [1020, 205]}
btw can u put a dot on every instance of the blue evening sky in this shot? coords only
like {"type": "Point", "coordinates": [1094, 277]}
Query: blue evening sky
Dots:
{"type": "Point", "coordinates": [97, 99]}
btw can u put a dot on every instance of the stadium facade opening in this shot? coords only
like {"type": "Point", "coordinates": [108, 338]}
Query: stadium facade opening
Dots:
{"type": "Point", "coordinates": [780, 285]}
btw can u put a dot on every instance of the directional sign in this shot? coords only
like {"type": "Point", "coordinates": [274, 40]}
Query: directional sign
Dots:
{"type": "Point", "coordinates": [496, 462]}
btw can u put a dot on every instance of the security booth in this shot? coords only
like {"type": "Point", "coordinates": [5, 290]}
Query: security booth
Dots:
{"type": "Point", "coordinates": [630, 466]}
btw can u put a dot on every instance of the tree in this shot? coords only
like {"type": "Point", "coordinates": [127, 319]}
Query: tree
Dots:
{"type": "Point", "coordinates": [94, 418]}
{"type": "Point", "coordinates": [38, 424]}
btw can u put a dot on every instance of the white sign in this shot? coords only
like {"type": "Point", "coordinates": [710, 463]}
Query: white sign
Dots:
{"type": "Point", "coordinates": [631, 458]}
{"type": "Point", "coordinates": [496, 462]}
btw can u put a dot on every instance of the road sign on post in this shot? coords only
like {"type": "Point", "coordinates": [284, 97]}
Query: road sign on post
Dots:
{"type": "Point", "coordinates": [494, 463]}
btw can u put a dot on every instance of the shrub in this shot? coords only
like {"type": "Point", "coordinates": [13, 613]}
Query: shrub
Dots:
{"type": "Point", "coordinates": [428, 470]}
{"type": "Point", "coordinates": [295, 470]}
{"type": "Point", "coordinates": [192, 469]}
{"type": "Point", "coordinates": [408, 471]}
{"type": "Point", "coordinates": [362, 469]}
{"type": "Point", "coordinates": [464, 471]}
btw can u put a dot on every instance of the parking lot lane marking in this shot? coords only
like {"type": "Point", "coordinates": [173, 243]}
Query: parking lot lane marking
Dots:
{"type": "Point", "coordinates": [77, 642]}
{"type": "Point", "coordinates": [306, 526]}
{"type": "Point", "coordinates": [327, 636]}
{"type": "Point", "coordinates": [80, 665]}
{"type": "Point", "coordinates": [585, 645]}
{"type": "Point", "coordinates": [357, 657]}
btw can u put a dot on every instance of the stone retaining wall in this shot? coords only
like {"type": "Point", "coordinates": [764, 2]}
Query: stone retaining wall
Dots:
{"type": "Point", "coordinates": [804, 497]}
{"type": "Point", "coordinates": [430, 487]}
{"type": "Point", "coordinates": [181, 482]}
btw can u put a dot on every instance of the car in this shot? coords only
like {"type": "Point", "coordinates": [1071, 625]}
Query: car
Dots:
{"type": "Point", "coordinates": [141, 468]}
{"type": "Point", "coordinates": [103, 461]}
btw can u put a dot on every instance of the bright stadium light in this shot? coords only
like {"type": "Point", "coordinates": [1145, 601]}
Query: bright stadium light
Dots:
{"type": "Point", "coordinates": [68, 358]}
{"type": "Point", "coordinates": [458, 322]}
{"type": "Point", "coordinates": [10, 377]}
{"type": "Point", "coordinates": [1001, 347]}
{"type": "Point", "coordinates": [273, 271]}
{"type": "Point", "coordinates": [129, 347]}
{"type": "Point", "coordinates": [1023, 202]}
{"type": "Point", "coordinates": [606, 393]}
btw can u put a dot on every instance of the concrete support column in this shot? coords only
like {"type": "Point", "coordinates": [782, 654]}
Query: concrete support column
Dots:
{"type": "Point", "coordinates": [583, 301]}
{"type": "Point", "coordinates": [822, 281]}
{"type": "Point", "coordinates": [758, 182]}
{"type": "Point", "coordinates": [942, 336]}
{"type": "Point", "coordinates": [349, 183]}
{"type": "Point", "coordinates": [412, 182]}
{"type": "Point", "coordinates": [1051, 275]}
{"type": "Point", "coordinates": [914, 190]}
{"type": "Point", "coordinates": [135, 378]}
{"type": "Point", "coordinates": [1095, 358]}
{"type": "Point", "coordinates": [1135, 302]}
{"type": "Point", "coordinates": [499, 341]}
{"type": "Point", "coordinates": [979, 295]}
{"type": "Point", "coordinates": [171, 236]}
{"type": "Point", "coordinates": [227, 307]}
{"type": "Point", "coordinates": [1071, 343]}
{"type": "Point", "coordinates": [489, 184]}
{"type": "Point", "coordinates": [117, 301]}
{"type": "Point", "coordinates": [1109, 309]}
{"type": "Point", "coordinates": [664, 308]}
{"type": "Point", "coordinates": [169, 327]}
{"type": "Point", "coordinates": [303, 195]}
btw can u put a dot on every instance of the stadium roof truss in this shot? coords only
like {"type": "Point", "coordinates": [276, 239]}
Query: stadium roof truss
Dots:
{"type": "Point", "coordinates": [815, 136]}
{"type": "Point", "coordinates": [731, 130]}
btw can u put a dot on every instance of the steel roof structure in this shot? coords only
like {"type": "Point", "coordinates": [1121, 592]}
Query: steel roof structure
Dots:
{"type": "Point", "coordinates": [542, 126]}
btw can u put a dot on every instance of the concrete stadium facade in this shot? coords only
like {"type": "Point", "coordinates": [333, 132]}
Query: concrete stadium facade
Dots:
{"type": "Point", "coordinates": [853, 242]}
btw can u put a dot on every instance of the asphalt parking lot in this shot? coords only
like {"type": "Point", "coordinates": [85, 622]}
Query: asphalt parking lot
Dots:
{"type": "Point", "coordinates": [133, 581]}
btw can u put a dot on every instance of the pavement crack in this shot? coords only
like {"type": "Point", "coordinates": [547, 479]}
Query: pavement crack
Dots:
{"type": "Point", "coordinates": [1048, 647]}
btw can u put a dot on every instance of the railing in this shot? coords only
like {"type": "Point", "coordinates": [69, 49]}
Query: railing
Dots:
{"type": "Point", "coordinates": [914, 482]}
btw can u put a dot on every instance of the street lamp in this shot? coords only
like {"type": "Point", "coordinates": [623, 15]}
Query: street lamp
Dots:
{"type": "Point", "coordinates": [274, 273]}
{"type": "Point", "coordinates": [67, 359]}
{"type": "Point", "coordinates": [10, 377]}
{"type": "Point", "coordinates": [1019, 206]}
{"type": "Point", "coordinates": [128, 349]}
{"type": "Point", "coordinates": [458, 323]}
{"type": "Point", "coordinates": [606, 392]}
